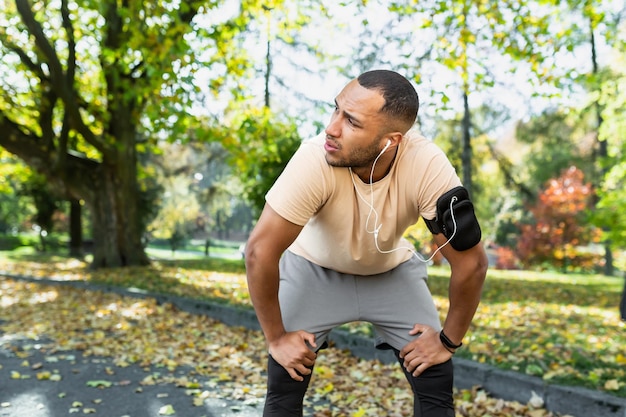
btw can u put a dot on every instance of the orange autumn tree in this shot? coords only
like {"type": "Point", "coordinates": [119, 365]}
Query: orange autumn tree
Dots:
{"type": "Point", "coordinates": [560, 232]}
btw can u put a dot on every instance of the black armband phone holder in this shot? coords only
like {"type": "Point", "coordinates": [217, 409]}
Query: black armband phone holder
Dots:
{"type": "Point", "coordinates": [456, 219]}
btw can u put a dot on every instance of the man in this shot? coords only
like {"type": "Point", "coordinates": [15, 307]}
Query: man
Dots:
{"type": "Point", "coordinates": [328, 247]}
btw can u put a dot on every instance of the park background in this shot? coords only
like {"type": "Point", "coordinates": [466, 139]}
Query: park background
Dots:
{"type": "Point", "coordinates": [139, 135]}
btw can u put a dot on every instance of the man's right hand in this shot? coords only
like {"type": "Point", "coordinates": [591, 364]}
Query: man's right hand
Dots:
{"type": "Point", "coordinates": [292, 353]}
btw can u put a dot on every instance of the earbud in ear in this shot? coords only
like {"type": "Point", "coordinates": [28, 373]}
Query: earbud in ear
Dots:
{"type": "Point", "coordinates": [384, 149]}
{"type": "Point", "coordinates": [386, 146]}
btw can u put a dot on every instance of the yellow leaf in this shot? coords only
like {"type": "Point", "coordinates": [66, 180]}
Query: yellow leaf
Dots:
{"type": "Point", "coordinates": [149, 380]}
{"type": "Point", "coordinates": [324, 372]}
{"type": "Point", "coordinates": [171, 364]}
{"type": "Point", "coordinates": [621, 359]}
{"type": "Point", "coordinates": [360, 413]}
{"type": "Point", "coordinates": [43, 375]}
{"type": "Point", "coordinates": [326, 389]}
{"type": "Point", "coordinates": [611, 385]}
{"type": "Point", "coordinates": [15, 375]}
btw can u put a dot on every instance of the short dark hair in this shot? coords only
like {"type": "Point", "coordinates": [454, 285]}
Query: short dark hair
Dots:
{"type": "Point", "coordinates": [401, 100]}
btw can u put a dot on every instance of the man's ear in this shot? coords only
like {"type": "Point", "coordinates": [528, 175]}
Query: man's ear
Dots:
{"type": "Point", "coordinates": [394, 139]}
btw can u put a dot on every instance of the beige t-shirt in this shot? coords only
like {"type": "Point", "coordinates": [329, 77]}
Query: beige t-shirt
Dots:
{"type": "Point", "coordinates": [334, 206]}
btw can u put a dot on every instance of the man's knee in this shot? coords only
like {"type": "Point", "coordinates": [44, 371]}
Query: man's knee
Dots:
{"type": "Point", "coordinates": [432, 390]}
{"type": "Point", "coordinates": [437, 378]}
{"type": "Point", "coordinates": [285, 395]}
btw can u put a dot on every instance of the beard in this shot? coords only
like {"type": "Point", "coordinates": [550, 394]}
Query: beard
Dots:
{"type": "Point", "coordinates": [358, 157]}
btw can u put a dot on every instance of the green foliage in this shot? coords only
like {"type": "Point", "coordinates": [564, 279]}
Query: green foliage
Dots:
{"type": "Point", "coordinates": [178, 209]}
{"type": "Point", "coordinates": [10, 243]}
{"type": "Point", "coordinates": [260, 145]}
{"type": "Point", "coordinates": [201, 196]}
{"type": "Point", "coordinates": [609, 213]}
{"type": "Point", "coordinates": [556, 140]}
{"type": "Point", "coordinates": [46, 204]}
{"type": "Point", "coordinates": [21, 244]}
{"type": "Point", "coordinates": [14, 210]}
{"type": "Point", "coordinates": [148, 200]}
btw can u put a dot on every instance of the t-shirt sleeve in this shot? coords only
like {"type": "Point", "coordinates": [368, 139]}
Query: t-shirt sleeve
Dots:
{"type": "Point", "coordinates": [302, 188]}
{"type": "Point", "coordinates": [440, 178]}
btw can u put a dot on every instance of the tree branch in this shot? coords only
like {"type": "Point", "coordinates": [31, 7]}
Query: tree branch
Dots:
{"type": "Point", "coordinates": [187, 13]}
{"type": "Point", "coordinates": [24, 144]}
{"type": "Point", "coordinates": [60, 83]}
{"type": "Point", "coordinates": [505, 167]}
{"type": "Point", "coordinates": [69, 77]}
{"type": "Point", "coordinates": [25, 59]}
{"type": "Point", "coordinates": [28, 147]}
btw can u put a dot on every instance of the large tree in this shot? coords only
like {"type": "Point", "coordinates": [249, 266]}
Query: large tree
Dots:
{"type": "Point", "coordinates": [89, 84]}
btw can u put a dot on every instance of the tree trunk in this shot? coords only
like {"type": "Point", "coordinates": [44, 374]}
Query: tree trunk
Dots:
{"type": "Point", "coordinates": [609, 267]}
{"type": "Point", "coordinates": [42, 241]}
{"type": "Point", "coordinates": [622, 304]}
{"type": "Point", "coordinates": [466, 156]}
{"type": "Point", "coordinates": [116, 232]}
{"type": "Point", "coordinates": [76, 229]}
{"type": "Point", "coordinates": [114, 203]}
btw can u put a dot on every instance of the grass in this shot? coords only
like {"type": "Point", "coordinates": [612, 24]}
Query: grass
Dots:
{"type": "Point", "coordinates": [565, 329]}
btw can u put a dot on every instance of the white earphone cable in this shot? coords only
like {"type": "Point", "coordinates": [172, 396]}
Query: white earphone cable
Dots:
{"type": "Point", "coordinates": [377, 226]}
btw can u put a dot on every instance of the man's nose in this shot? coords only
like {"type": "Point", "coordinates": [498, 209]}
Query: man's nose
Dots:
{"type": "Point", "coordinates": [332, 129]}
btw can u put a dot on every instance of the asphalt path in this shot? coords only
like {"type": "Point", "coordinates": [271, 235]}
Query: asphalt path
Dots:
{"type": "Point", "coordinates": [37, 381]}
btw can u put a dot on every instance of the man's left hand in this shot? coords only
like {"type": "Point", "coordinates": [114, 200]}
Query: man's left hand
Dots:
{"type": "Point", "coordinates": [425, 351]}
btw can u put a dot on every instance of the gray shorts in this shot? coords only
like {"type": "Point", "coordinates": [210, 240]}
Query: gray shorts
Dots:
{"type": "Point", "coordinates": [317, 299]}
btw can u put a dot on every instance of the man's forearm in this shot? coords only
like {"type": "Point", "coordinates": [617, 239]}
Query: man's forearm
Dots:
{"type": "Point", "coordinates": [464, 295]}
{"type": "Point", "coordinates": [263, 288]}
{"type": "Point", "coordinates": [270, 318]}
